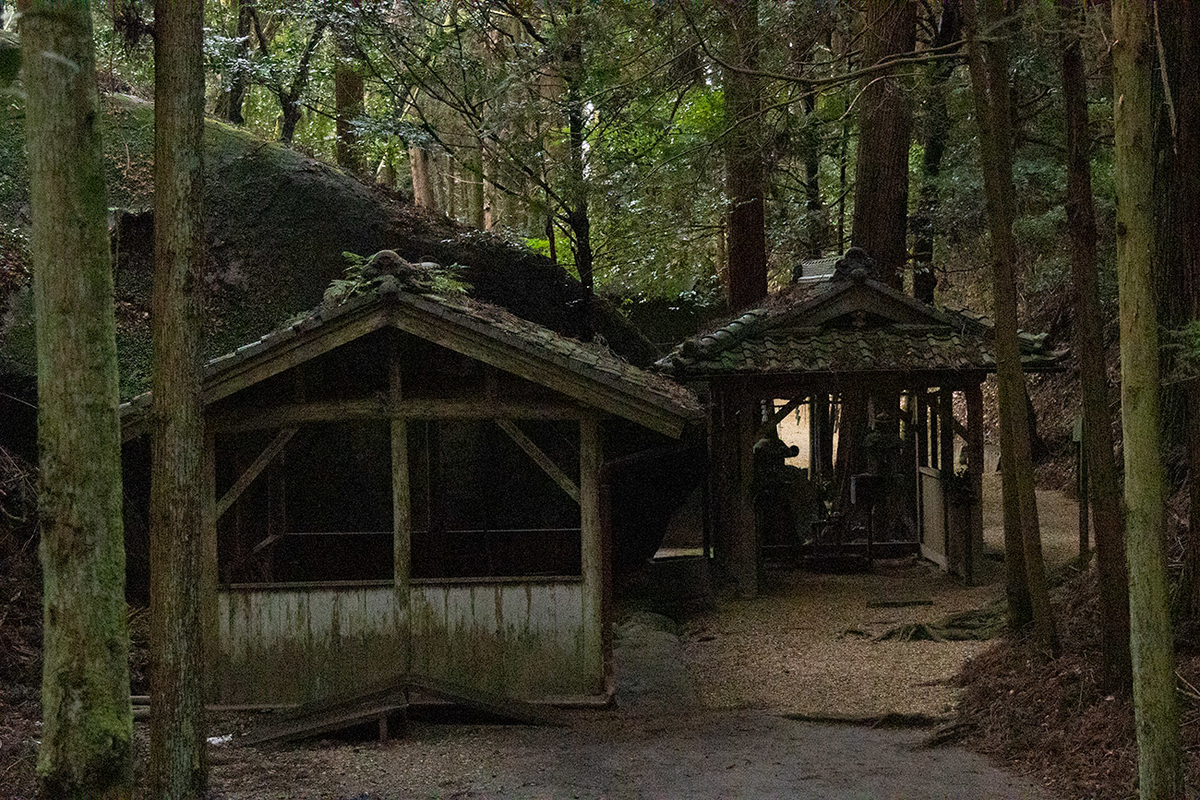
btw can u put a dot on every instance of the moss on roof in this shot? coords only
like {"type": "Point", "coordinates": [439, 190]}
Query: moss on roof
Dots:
{"type": "Point", "coordinates": [591, 359]}
{"type": "Point", "coordinates": [779, 338]}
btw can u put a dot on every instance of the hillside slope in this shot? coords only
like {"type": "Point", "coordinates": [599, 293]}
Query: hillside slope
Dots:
{"type": "Point", "coordinates": [278, 225]}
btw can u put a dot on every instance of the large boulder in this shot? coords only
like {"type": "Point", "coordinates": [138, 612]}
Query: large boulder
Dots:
{"type": "Point", "coordinates": [279, 224]}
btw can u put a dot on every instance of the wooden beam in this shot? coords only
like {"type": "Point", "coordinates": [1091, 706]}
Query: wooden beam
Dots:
{"type": "Point", "coordinates": [544, 461]}
{"type": "Point", "coordinates": [301, 347]}
{"type": "Point", "coordinates": [254, 470]}
{"type": "Point", "coordinates": [538, 368]}
{"type": "Point", "coordinates": [379, 408]}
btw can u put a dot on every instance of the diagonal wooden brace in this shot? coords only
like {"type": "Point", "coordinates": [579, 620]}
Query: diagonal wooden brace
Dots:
{"type": "Point", "coordinates": [544, 461]}
{"type": "Point", "coordinates": [254, 470]}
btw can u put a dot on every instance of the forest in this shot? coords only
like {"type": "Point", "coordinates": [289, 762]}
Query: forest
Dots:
{"type": "Point", "coordinates": [179, 178]}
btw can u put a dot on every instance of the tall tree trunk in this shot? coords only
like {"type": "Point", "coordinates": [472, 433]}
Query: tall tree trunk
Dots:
{"type": "Point", "coordinates": [816, 222]}
{"type": "Point", "coordinates": [348, 105]}
{"type": "Point", "coordinates": [577, 214]}
{"type": "Point", "coordinates": [1089, 352]}
{"type": "Point", "coordinates": [885, 133]}
{"type": "Point", "coordinates": [239, 80]}
{"type": "Point", "coordinates": [1178, 248]}
{"type": "Point", "coordinates": [1187, 101]}
{"type": "Point", "coordinates": [87, 722]}
{"type": "Point", "coordinates": [744, 179]}
{"type": "Point", "coordinates": [1156, 714]}
{"type": "Point", "coordinates": [418, 162]}
{"type": "Point", "coordinates": [289, 97]}
{"type": "Point", "coordinates": [1022, 535]}
{"type": "Point", "coordinates": [475, 194]}
{"type": "Point", "coordinates": [937, 128]}
{"type": "Point", "coordinates": [177, 532]}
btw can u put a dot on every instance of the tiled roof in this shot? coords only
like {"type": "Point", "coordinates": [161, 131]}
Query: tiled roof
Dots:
{"type": "Point", "coordinates": [592, 359]}
{"type": "Point", "coordinates": [780, 338]}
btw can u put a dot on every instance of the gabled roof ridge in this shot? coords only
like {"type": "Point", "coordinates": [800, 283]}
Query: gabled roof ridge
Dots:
{"type": "Point", "coordinates": [595, 359]}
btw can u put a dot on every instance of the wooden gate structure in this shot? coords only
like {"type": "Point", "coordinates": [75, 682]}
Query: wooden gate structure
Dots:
{"type": "Point", "coordinates": [405, 485]}
{"type": "Point", "coordinates": [883, 357]}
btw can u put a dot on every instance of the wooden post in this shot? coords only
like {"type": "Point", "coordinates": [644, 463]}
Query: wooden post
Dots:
{"type": "Point", "coordinates": [814, 440]}
{"type": "Point", "coordinates": [922, 428]}
{"type": "Point", "coordinates": [743, 532]}
{"type": "Point", "coordinates": [945, 444]}
{"type": "Point", "coordinates": [608, 614]}
{"type": "Point", "coordinates": [401, 514]}
{"type": "Point", "coordinates": [209, 607]}
{"type": "Point", "coordinates": [720, 468]}
{"type": "Point", "coordinates": [590, 459]}
{"type": "Point", "coordinates": [974, 394]}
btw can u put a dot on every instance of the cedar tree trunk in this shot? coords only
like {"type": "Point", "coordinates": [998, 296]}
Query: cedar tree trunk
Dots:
{"type": "Point", "coordinates": [885, 133]}
{"type": "Point", "coordinates": [348, 105]}
{"type": "Point", "coordinates": [937, 128]}
{"type": "Point", "coordinates": [1156, 713]}
{"type": "Point", "coordinates": [746, 238]}
{"type": "Point", "coordinates": [177, 766]}
{"type": "Point", "coordinates": [1105, 492]}
{"type": "Point", "coordinates": [991, 88]}
{"type": "Point", "coordinates": [239, 80]}
{"type": "Point", "coordinates": [87, 722]}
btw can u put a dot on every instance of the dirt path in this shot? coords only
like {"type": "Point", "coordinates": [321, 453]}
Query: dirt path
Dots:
{"type": "Point", "coordinates": [660, 743]}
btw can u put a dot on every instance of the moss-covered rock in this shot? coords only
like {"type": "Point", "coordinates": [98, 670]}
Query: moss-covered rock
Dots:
{"type": "Point", "coordinates": [278, 225]}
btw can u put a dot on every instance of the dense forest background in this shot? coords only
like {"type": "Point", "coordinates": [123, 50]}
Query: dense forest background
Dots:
{"type": "Point", "coordinates": [598, 133]}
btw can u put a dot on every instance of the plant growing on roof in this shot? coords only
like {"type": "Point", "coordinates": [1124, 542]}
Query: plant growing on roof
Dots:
{"type": "Point", "coordinates": [364, 275]}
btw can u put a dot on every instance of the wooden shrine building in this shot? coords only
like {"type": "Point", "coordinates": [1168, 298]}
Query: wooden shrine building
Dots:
{"type": "Point", "coordinates": [898, 365]}
{"type": "Point", "coordinates": [409, 484]}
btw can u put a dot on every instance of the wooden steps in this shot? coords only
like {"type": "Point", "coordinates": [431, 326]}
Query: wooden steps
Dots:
{"type": "Point", "coordinates": [335, 715]}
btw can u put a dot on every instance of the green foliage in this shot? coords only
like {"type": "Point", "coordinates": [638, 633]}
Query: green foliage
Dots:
{"type": "Point", "coordinates": [445, 76]}
{"type": "Point", "coordinates": [362, 277]}
{"type": "Point", "coordinates": [10, 59]}
{"type": "Point", "coordinates": [1184, 345]}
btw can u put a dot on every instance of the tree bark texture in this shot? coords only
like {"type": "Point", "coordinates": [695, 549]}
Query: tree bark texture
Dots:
{"type": "Point", "coordinates": [885, 132]}
{"type": "Point", "coordinates": [178, 583]}
{"type": "Point", "coordinates": [418, 162]}
{"type": "Point", "coordinates": [1178, 248]}
{"type": "Point", "coordinates": [1156, 713]}
{"type": "Point", "coordinates": [239, 80]}
{"type": "Point", "coordinates": [816, 220]}
{"type": "Point", "coordinates": [348, 106]}
{"type": "Point", "coordinates": [745, 181]}
{"type": "Point", "coordinates": [991, 88]}
{"type": "Point", "coordinates": [937, 128]}
{"type": "Point", "coordinates": [578, 217]}
{"type": "Point", "coordinates": [87, 722]}
{"type": "Point", "coordinates": [1105, 490]}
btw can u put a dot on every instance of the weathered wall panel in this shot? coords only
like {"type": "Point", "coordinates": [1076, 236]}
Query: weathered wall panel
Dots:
{"type": "Point", "coordinates": [933, 517]}
{"type": "Point", "coordinates": [281, 646]}
{"type": "Point", "coordinates": [520, 640]}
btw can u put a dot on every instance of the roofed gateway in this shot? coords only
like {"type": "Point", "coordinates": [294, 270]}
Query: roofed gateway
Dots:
{"type": "Point", "coordinates": [410, 484]}
{"type": "Point", "coordinates": [886, 372]}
